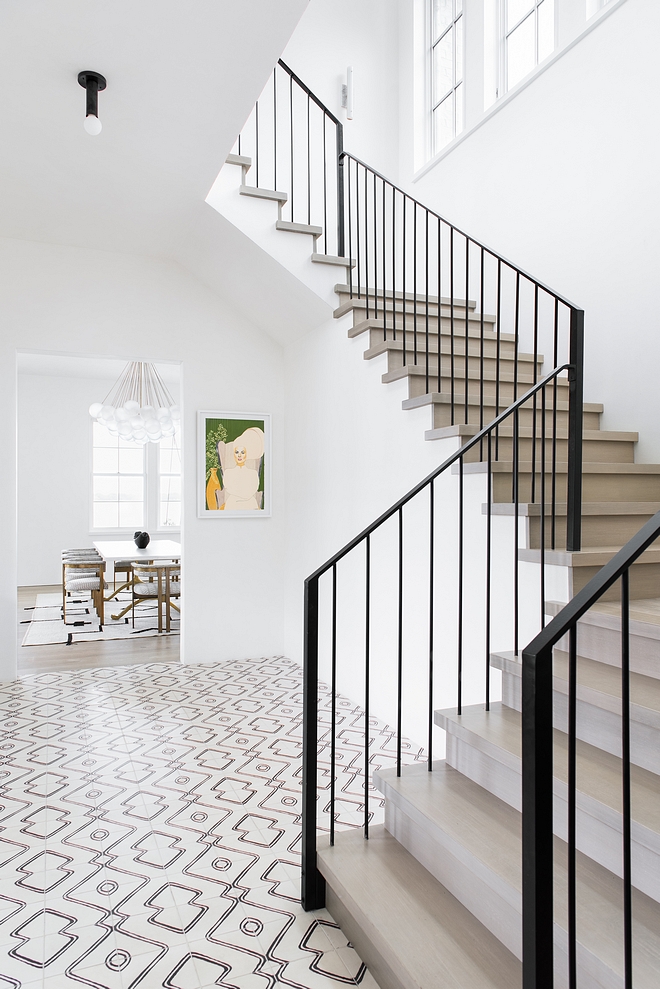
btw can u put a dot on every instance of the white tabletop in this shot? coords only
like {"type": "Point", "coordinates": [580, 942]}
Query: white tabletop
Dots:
{"type": "Point", "coordinates": [125, 549]}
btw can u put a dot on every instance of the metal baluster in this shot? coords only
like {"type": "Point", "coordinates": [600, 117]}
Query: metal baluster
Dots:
{"type": "Point", "coordinates": [312, 882]}
{"type": "Point", "coordinates": [384, 264]}
{"type": "Point", "coordinates": [489, 510]}
{"type": "Point", "coordinates": [431, 616]}
{"type": "Point", "coordinates": [427, 304]}
{"type": "Point", "coordinates": [291, 135]}
{"type": "Point", "coordinates": [333, 702]}
{"type": "Point", "coordinates": [515, 343]}
{"type": "Point", "coordinates": [534, 405]}
{"type": "Point", "coordinates": [357, 228]}
{"type": "Point", "coordinates": [399, 679]}
{"type": "Point", "coordinates": [275, 128]}
{"type": "Point", "coordinates": [516, 494]}
{"type": "Point", "coordinates": [625, 758]}
{"type": "Point", "coordinates": [554, 430]}
{"type": "Point", "coordinates": [439, 305]}
{"type": "Point", "coordinates": [414, 282]}
{"type": "Point", "coordinates": [481, 371]}
{"type": "Point", "coordinates": [309, 169]}
{"type": "Point", "coordinates": [367, 648]}
{"type": "Point", "coordinates": [394, 267]}
{"type": "Point", "coordinates": [543, 507]}
{"type": "Point", "coordinates": [467, 330]}
{"type": "Point", "coordinates": [403, 330]}
{"type": "Point", "coordinates": [451, 320]}
{"type": "Point", "coordinates": [572, 781]}
{"type": "Point", "coordinates": [341, 215]}
{"type": "Point", "coordinates": [366, 240]}
{"type": "Point", "coordinates": [350, 235]}
{"type": "Point", "coordinates": [375, 250]}
{"type": "Point", "coordinates": [256, 141]}
{"type": "Point", "coordinates": [325, 191]}
{"type": "Point", "coordinates": [497, 355]}
{"type": "Point", "coordinates": [460, 586]}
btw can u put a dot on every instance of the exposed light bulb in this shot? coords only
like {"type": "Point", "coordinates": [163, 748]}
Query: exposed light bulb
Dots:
{"type": "Point", "coordinates": [92, 124]}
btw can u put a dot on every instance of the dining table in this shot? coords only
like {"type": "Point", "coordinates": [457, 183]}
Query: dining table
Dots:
{"type": "Point", "coordinates": [125, 549]}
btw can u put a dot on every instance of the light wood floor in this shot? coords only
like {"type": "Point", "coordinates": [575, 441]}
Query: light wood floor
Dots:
{"type": "Point", "coordinates": [83, 655]}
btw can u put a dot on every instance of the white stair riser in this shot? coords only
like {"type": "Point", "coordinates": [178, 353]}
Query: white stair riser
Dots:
{"type": "Point", "coordinates": [604, 646]}
{"type": "Point", "coordinates": [595, 725]}
{"type": "Point", "coordinates": [598, 828]}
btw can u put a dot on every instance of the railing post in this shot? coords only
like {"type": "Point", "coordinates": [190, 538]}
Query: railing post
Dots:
{"type": "Point", "coordinates": [575, 426]}
{"type": "Point", "coordinates": [537, 830]}
{"type": "Point", "coordinates": [340, 191]}
{"type": "Point", "coordinates": [312, 882]}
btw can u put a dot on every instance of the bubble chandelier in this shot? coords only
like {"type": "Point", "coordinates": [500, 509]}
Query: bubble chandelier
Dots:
{"type": "Point", "coordinates": [138, 407]}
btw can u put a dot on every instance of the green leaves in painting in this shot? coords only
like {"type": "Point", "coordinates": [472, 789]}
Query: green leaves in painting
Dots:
{"type": "Point", "coordinates": [213, 437]}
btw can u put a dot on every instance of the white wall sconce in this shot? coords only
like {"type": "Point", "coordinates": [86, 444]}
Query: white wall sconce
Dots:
{"type": "Point", "coordinates": [93, 83]}
{"type": "Point", "coordinates": [347, 93]}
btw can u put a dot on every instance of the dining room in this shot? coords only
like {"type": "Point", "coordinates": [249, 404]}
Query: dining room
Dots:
{"type": "Point", "coordinates": [99, 512]}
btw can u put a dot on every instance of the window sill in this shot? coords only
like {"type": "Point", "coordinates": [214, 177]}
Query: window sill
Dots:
{"type": "Point", "coordinates": [500, 103]}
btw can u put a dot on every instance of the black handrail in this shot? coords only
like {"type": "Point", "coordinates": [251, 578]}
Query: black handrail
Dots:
{"type": "Point", "coordinates": [537, 770]}
{"type": "Point", "coordinates": [313, 889]}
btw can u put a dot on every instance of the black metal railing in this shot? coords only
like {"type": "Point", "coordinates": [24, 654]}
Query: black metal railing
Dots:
{"type": "Point", "coordinates": [295, 145]}
{"type": "Point", "coordinates": [538, 398]}
{"type": "Point", "coordinates": [537, 774]}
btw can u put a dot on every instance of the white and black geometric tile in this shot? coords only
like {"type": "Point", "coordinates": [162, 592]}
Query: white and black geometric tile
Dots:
{"type": "Point", "coordinates": [150, 829]}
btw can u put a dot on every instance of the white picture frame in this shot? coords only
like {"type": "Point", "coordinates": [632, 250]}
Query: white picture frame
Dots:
{"type": "Point", "coordinates": [233, 447]}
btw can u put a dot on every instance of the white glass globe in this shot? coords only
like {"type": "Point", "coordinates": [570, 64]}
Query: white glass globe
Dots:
{"type": "Point", "coordinates": [111, 426]}
{"type": "Point", "coordinates": [168, 429]}
{"type": "Point", "coordinates": [137, 423]}
{"type": "Point", "coordinates": [107, 413]}
{"type": "Point", "coordinates": [122, 414]}
{"type": "Point", "coordinates": [139, 435]}
{"type": "Point", "coordinates": [152, 426]}
{"type": "Point", "coordinates": [95, 409]}
{"type": "Point", "coordinates": [132, 407]}
{"type": "Point", "coordinates": [175, 413]}
{"type": "Point", "coordinates": [162, 413]}
{"type": "Point", "coordinates": [92, 124]}
{"type": "Point", "coordinates": [124, 429]}
{"type": "Point", "coordinates": [147, 412]}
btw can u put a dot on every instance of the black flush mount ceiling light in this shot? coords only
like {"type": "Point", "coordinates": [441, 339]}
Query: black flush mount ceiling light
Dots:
{"type": "Point", "coordinates": [92, 83]}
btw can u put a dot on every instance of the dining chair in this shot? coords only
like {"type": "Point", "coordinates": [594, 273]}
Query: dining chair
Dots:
{"type": "Point", "coordinates": [158, 582]}
{"type": "Point", "coordinates": [84, 570]}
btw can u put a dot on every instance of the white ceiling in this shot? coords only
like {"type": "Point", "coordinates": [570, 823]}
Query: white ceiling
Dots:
{"type": "Point", "coordinates": [182, 78]}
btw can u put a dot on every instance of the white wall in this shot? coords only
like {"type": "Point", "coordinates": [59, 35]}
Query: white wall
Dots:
{"type": "Point", "coordinates": [333, 34]}
{"type": "Point", "coordinates": [563, 180]}
{"type": "Point", "coordinates": [105, 304]}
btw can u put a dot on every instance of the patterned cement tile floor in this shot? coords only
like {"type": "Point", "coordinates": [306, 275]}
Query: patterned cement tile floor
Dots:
{"type": "Point", "coordinates": [151, 831]}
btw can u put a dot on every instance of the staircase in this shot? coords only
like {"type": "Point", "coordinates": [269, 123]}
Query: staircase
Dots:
{"type": "Point", "coordinates": [435, 896]}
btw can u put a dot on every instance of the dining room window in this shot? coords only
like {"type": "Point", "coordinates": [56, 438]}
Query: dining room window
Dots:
{"type": "Point", "coordinates": [169, 482]}
{"type": "Point", "coordinates": [446, 71]}
{"type": "Point", "coordinates": [118, 481]}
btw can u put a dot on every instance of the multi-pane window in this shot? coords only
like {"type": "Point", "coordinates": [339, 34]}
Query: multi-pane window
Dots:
{"type": "Point", "coordinates": [118, 481]}
{"type": "Point", "coordinates": [529, 36]}
{"type": "Point", "coordinates": [169, 482]}
{"type": "Point", "coordinates": [446, 71]}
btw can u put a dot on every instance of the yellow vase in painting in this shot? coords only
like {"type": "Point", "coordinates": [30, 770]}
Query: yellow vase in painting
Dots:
{"type": "Point", "coordinates": [213, 485]}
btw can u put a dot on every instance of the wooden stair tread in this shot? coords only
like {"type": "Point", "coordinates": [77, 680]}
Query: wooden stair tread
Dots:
{"type": "Point", "coordinates": [644, 614]}
{"type": "Point", "coordinates": [588, 467]}
{"type": "Point", "coordinates": [590, 556]}
{"type": "Point", "coordinates": [598, 772]}
{"type": "Point", "coordinates": [533, 510]}
{"type": "Point", "coordinates": [422, 933]}
{"type": "Point", "coordinates": [445, 300]}
{"type": "Point", "coordinates": [475, 822]}
{"type": "Point", "coordinates": [444, 398]}
{"type": "Point", "coordinates": [474, 335]}
{"type": "Point", "coordinates": [597, 682]}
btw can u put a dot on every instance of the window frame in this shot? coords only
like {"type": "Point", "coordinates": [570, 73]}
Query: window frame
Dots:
{"type": "Point", "coordinates": [431, 44]}
{"type": "Point", "coordinates": [151, 492]}
{"type": "Point", "coordinates": [505, 34]}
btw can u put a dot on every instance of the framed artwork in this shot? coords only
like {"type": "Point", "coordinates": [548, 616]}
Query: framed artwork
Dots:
{"type": "Point", "coordinates": [233, 465]}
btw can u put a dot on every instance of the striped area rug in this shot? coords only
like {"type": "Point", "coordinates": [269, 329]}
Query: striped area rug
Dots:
{"type": "Point", "coordinates": [45, 626]}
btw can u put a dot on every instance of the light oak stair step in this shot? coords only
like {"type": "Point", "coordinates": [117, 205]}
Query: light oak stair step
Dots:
{"type": "Point", "coordinates": [364, 309]}
{"type": "Point", "coordinates": [598, 446]}
{"type": "Point", "coordinates": [298, 228]}
{"type": "Point", "coordinates": [440, 404]}
{"type": "Point", "coordinates": [599, 634]}
{"type": "Point", "coordinates": [603, 523]}
{"type": "Point", "coordinates": [470, 841]}
{"type": "Point", "coordinates": [486, 747]}
{"type": "Point", "coordinates": [344, 292]}
{"type": "Point", "coordinates": [600, 481]}
{"type": "Point", "coordinates": [333, 259]}
{"type": "Point", "coordinates": [416, 376]}
{"type": "Point", "coordinates": [599, 704]}
{"type": "Point", "coordinates": [411, 932]}
{"type": "Point", "coordinates": [243, 160]}
{"type": "Point", "coordinates": [644, 579]}
{"type": "Point", "coordinates": [257, 193]}
{"type": "Point", "coordinates": [395, 322]}
{"type": "Point", "coordinates": [395, 347]}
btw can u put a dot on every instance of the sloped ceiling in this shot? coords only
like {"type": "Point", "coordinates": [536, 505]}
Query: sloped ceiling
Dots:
{"type": "Point", "coordinates": [182, 78]}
